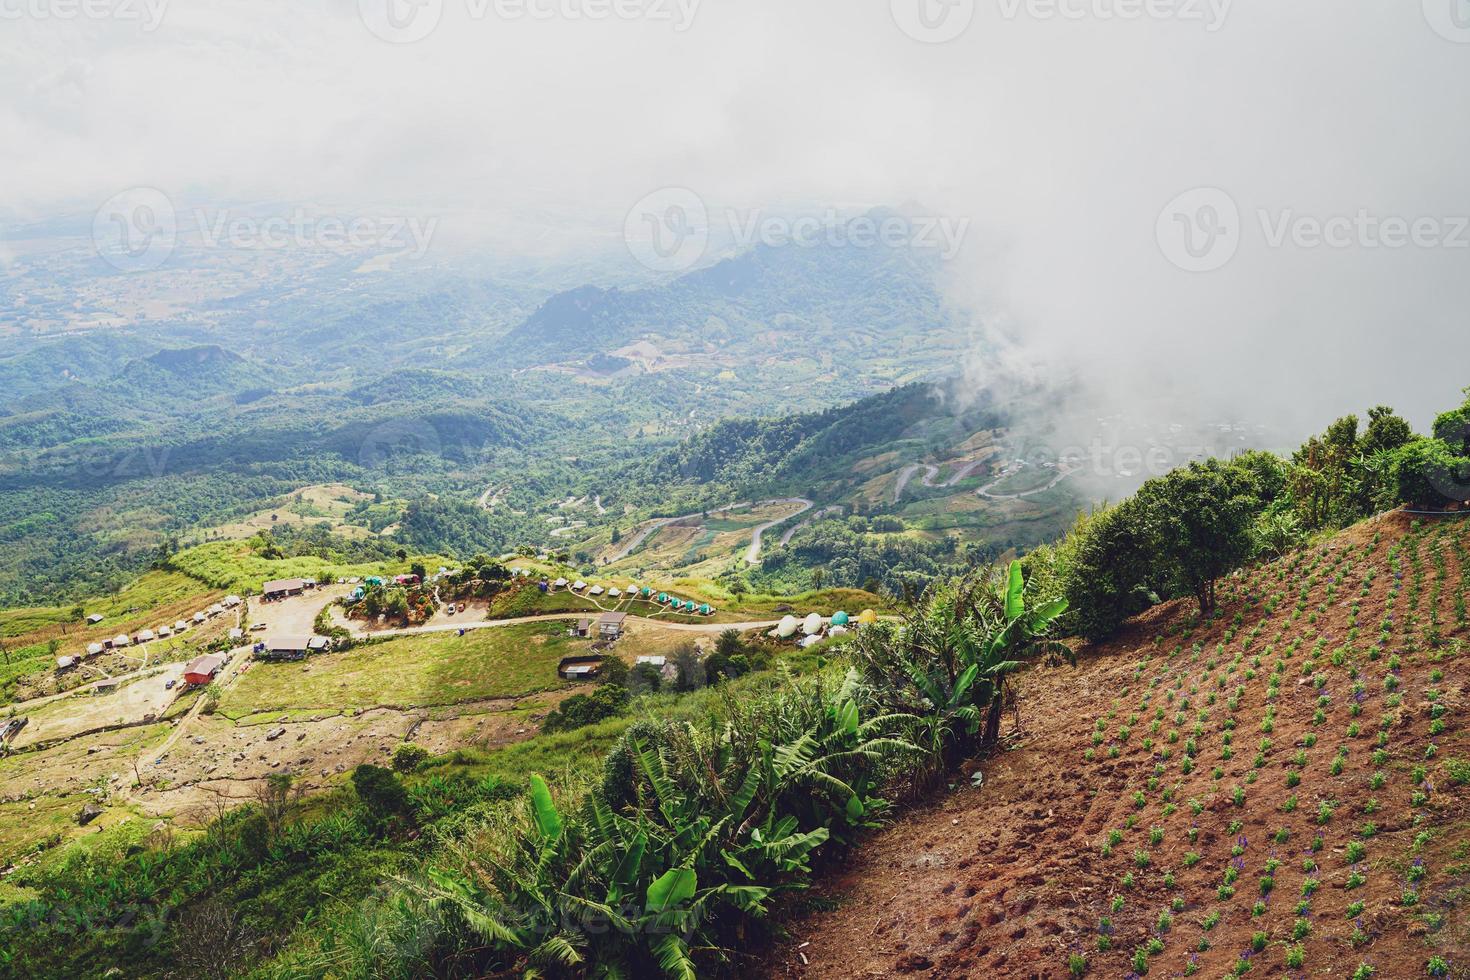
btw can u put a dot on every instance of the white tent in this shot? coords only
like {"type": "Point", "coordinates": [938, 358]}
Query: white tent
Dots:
{"type": "Point", "coordinates": [93, 649]}
{"type": "Point", "coordinates": [560, 583]}
{"type": "Point", "coordinates": [181, 625]}
{"type": "Point", "coordinates": [595, 590]}
{"type": "Point", "coordinates": [145, 636]}
{"type": "Point", "coordinates": [787, 627]}
{"type": "Point", "coordinates": [578, 585]}
{"type": "Point", "coordinates": [812, 625]}
{"type": "Point", "coordinates": [614, 594]}
{"type": "Point", "coordinates": [121, 640]}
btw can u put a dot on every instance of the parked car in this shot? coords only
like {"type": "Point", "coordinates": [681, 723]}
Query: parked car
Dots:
{"type": "Point", "coordinates": [168, 685]}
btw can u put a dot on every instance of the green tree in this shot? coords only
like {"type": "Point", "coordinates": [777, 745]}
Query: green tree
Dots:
{"type": "Point", "coordinates": [1199, 520]}
{"type": "Point", "coordinates": [1453, 428]}
{"type": "Point", "coordinates": [1387, 431]}
{"type": "Point", "coordinates": [408, 757]}
{"type": "Point", "coordinates": [380, 792]}
{"type": "Point", "coordinates": [613, 671]}
{"type": "Point", "coordinates": [690, 674]}
{"type": "Point", "coordinates": [1108, 576]}
{"type": "Point", "coordinates": [729, 643]}
{"type": "Point", "coordinates": [1428, 474]}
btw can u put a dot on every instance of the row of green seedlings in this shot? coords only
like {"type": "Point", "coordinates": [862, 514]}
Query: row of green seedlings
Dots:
{"type": "Point", "coordinates": [1355, 877]}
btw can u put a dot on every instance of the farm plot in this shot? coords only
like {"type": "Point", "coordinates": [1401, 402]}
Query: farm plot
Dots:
{"type": "Point", "coordinates": [1278, 788]}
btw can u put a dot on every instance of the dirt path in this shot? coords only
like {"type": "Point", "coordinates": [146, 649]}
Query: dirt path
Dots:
{"type": "Point", "coordinates": [975, 871]}
{"type": "Point", "coordinates": [716, 628]}
{"type": "Point", "coordinates": [753, 553]}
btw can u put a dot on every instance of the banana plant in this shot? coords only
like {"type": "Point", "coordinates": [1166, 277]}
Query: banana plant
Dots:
{"type": "Point", "coordinates": [645, 890]}
{"type": "Point", "coordinates": [1026, 634]}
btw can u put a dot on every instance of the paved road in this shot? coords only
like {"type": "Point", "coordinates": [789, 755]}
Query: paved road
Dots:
{"type": "Point", "coordinates": [907, 474]}
{"type": "Point", "coordinates": [642, 534]}
{"type": "Point", "coordinates": [1062, 473]}
{"type": "Point", "coordinates": [964, 471]}
{"type": "Point", "coordinates": [791, 531]}
{"type": "Point", "coordinates": [560, 617]}
{"type": "Point", "coordinates": [753, 553]}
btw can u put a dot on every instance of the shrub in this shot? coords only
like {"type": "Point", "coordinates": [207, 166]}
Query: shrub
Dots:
{"type": "Point", "coordinates": [408, 757]}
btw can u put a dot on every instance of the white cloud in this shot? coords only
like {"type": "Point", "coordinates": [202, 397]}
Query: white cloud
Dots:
{"type": "Point", "coordinates": [1060, 137]}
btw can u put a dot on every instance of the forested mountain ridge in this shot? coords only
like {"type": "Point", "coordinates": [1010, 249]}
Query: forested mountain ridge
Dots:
{"type": "Point", "coordinates": [822, 301]}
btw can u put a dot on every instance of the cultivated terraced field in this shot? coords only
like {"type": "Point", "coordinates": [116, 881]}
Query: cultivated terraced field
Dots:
{"type": "Point", "coordinates": [1278, 790]}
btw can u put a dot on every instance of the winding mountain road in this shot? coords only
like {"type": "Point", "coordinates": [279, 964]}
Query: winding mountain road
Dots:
{"type": "Point", "coordinates": [907, 474]}
{"type": "Point", "coordinates": [791, 531]}
{"type": "Point", "coordinates": [1062, 473]}
{"type": "Point", "coordinates": [753, 553]}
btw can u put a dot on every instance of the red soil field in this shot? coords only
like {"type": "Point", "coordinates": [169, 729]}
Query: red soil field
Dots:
{"type": "Point", "coordinates": [1168, 805]}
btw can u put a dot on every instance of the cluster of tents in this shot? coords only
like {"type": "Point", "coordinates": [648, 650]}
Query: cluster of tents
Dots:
{"type": "Point", "coordinates": [671, 602]}
{"type": "Point", "coordinates": [813, 627]}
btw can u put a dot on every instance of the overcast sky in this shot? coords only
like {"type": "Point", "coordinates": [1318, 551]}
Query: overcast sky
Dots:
{"type": "Point", "coordinates": [1060, 130]}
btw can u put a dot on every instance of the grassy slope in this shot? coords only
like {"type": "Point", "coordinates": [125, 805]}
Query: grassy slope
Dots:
{"type": "Point", "coordinates": [411, 671]}
{"type": "Point", "coordinates": [231, 565]}
{"type": "Point", "coordinates": [151, 600]}
{"type": "Point", "coordinates": [1013, 877]}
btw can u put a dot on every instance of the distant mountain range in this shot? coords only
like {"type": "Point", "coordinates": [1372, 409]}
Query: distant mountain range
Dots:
{"type": "Point", "coordinates": [858, 307]}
